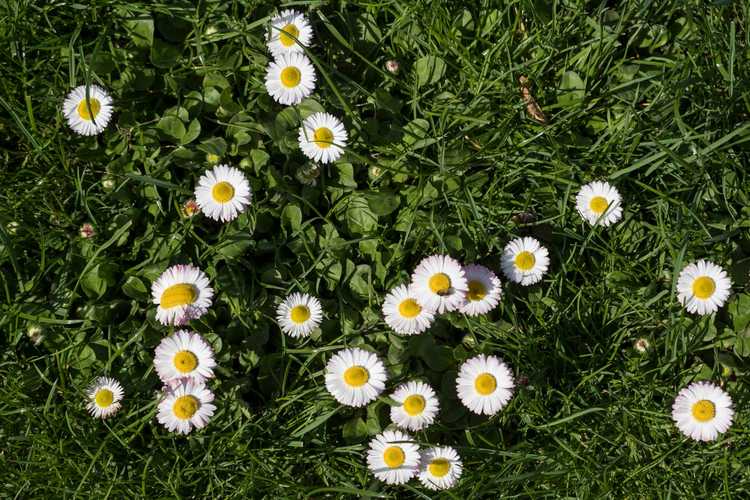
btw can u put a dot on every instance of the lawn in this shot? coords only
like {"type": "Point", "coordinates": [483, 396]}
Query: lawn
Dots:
{"type": "Point", "coordinates": [470, 124]}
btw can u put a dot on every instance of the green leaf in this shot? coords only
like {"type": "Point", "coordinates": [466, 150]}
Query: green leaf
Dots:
{"type": "Point", "coordinates": [135, 289]}
{"type": "Point", "coordinates": [572, 89]}
{"type": "Point", "coordinates": [359, 218]}
{"type": "Point", "coordinates": [163, 54]}
{"type": "Point", "coordinates": [429, 70]}
{"type": "Point", "coordinates": [291, 217]}
{"type": "Point", "coordinates": [354, 430]}
{"type": "Point", "coordinates": [92, 284]}
{"type": "Point", "coordinates": [193, 131]}
{"type": "Point", "coordinates": [382, 203]}
{"type": "Point", "coordinates": [172, 127]}
{"type": "Point", "coordinates": [141, 31]}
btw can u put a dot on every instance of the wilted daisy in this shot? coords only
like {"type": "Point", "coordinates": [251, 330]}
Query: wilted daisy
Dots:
{"type": "Point", "coordinates": [88, 116]}
{"type": "Point", "coordinates": [484, 384]}
{"type": "Point", "coordinates": [525, 260]}
{"type": "Point", "coordinates": [299, 314]}
{"type": "Point", "coordinates": [104, 397]}
{"type": "Point", "coordinates": [440, 468]}
{"type": "Point", "coordinates": [184, 355]}
{"type": "Point", "coordinates": [404, 314]}
{"type": "Point", "coordinates": [599, 203]}
{"type": "Point", "coordinates": [393, 457]}
{"type": "Point", "coordinates": [285, 28]}
{"type": "Point", "coordinates": [186, 404]}
{"type": "Point", "coordinates": [355, 376]}
{"type": "Point", "coordinates": [417, 406]}
{"type": "Point", "coordinates": [290, 78]}
{"type": "Point", "coordinates": [322, 137]}
{"type": "Point", "coordinates": [182, 293]}
{"type": "Point", "coordinates": [439, 283]}
{"type": "Point", "coordinates": [484, 290]}
{"type": "Point", "coordinates": [702, 411]}
{"type": "Point", "coordinates": [223, 193]}
{"type": "Point", "coordinates": [703, 287]}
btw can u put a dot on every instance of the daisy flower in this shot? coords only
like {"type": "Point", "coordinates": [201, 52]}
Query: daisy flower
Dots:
{"type": "Point", "coordinates": [285, 28]}
{"type": "Point", "coordinates": [702, 411]}
{"type": "Point", "coordinates": [484, 384]}
{"type": "Point", "coordinates": [393, 457]}
{"type": "Point", "coordinates": [299, 314]}
{"type": "Point", "coordinates": [439, 283]}
{"type": "Point", "coordinates": [182, 293]}
{"type": "Point", "coordinates": [525, 261]}
{"type": "Point", "coordinates": [104, 397]}
{"type": "Point", "coordinates": [484, 290]}
{"type": "Point", "coordinates": [417, 406]}
{"type": "Point", "coordinates": [599, 203]}
{"type": "Point", "coordinates": [703, 287]}
{"type": "Point", "coordinates": [322, 137]}
{"type": "Point", "coordinates": [290, 78]}
{"type": "Point", "coordinates": [184, 355]}
{"type": "Point", "coordinates": [223, 193]}
{"type": "Point", "coordinates": [186, 405]}
{"type": "Point", "coordinates": [88, 116]}
{"type": "Point", "coordinates": [355, 376]}
{"type": "Point", "coordinates": [440, 468]}
{"type": "Point", "coordinates": [404, 314]}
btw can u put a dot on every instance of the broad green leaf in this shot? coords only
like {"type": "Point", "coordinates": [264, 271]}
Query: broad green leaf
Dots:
{"type": "Point", "coordinates": [141, 31]}
{"type": "Point", "coordinates": [172, 127]}
{"type": "Point", "coordinates": [430, 69]}
{"type": "Point", "coordinates": [572, 89]}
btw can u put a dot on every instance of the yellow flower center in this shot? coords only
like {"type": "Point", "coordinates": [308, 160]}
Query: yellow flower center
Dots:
{"type": "Point", "coordinates": [83, 108]}
{"type": "Point", "coordinates": [409, 308]}
{"type": "Point", "coordinates": [284, 35]}
{"type": "Point", "coordinates": [291, 76]}
{"type": "Point", "coordinates": [104, 398]}
{"type": "Point", "coordinates": [704, 410]}
{"type": "Point", "coordinates": [222, 192]}
{"type": "Point", "coordinates": [185, 361]}
{"type": "Point", "coordinates": [300, 314]}
{"type": "Point", "coordinates": [439, 467]}
{"type": "Point", "coordinates": [485, 384]}
{"type": "Point", "coordinates": [703, 287]}
{"type": "Point", "coordinates": [394, 456]}
{"type": "Point", "coordinates": [323, 137]}
{"type": "Point", "coordinates": [525, 261]}
{"type": "Point", "coordinates": [356, 376]}
{"type": "Point", "coordinates": [598, 204]}
{"type": "Point", "coordinates": [185, 407]}
{"type": "Point", "coordinates": [178, 295]}
{"type": "Point", "coordinates": [477, 291]}
{"type": "Point", "coordinates": [414, 405]}
{"type": "Point", "coordinates": [440, 283]}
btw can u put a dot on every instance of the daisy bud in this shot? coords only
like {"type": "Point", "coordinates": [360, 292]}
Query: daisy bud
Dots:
{"type": "Point", "coordinates": [641, 345]}
{"type": "Point", "coordinates": [392, 66]}
{"type": "Point", "coordinates": [190, 208]}
{"type": "Point", "coordinates": [108, 184]}
{"type": "Point", "coordinates": [212, 158]}
{"type": "Point", "coordinates": [34, 332]}
{"type": "Point", "coordinates": [12, 227]}
{"type": "Point", "coordinates": [87, 231]}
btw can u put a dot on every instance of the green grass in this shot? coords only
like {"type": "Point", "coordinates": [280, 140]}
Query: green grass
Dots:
{"type": "Point", "coordinates": [652, 96]}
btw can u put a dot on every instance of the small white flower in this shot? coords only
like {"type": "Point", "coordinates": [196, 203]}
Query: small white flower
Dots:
{"type": "Point", "coordinates": [322, 137]}
{"type": "Point", "coordinates": [223, 193]}
{"type": "Point", "coordinates": [439, 283]}
{"type": "Point", "coordinates": [485, 384]}
{"type": "Point", "coordinates": [299, 314]}
{"type": "Point", "coordinates": [355, 377]}
{"type": "Point", "coordinates": [525, 261]}
{"type": "Point", "coordinates": [285, 28]}
{"type": "Point", "coordinates": [290, 78]}
{"type": "Point", "coordinates": [186, 404]}
{"type": "Point", "coordinates": [393, 457]}
{"type": "Point", "coordinates": [703, 287]}
{"type": "Point", "coordinates": [104, 397]}
{"type": "Point", "coordinates": [417, 406]}
{"type": "Point", "coordinates": [88, 117]}
{"type": "Point", "coordinates": [599, 203]}
{"type": "Point", "coordinates": [702, 411]}
{"type": "Point", "coordinates": [404, 314]}
{"type": "Point", "coordinates": [184, 355]}
{"type": "Point", "coordinates": [182, 293]}
{"type": "Point", "coordinates": [484, 290]}
{"type": "Point", "coordinates": [440, 468]}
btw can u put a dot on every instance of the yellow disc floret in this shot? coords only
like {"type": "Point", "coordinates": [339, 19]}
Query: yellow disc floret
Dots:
{"type": "Point", "coordinates": [104, 398]}
{"type": "Point", "coordinates": [180, 294]}
{"type": "Point", "coordinates": [704, 410]}
{"type": "Point", "coordinates": [703, 287]}
{"type": "Point", "coordinates": [409, 308]}
{"type": "Point", "coordinates": [185, 407]}
{"type": "Point", "coordinates": [93, 105]}
{"type": "Point", "coordinates": [525, 261]}
{"type": "Point", "coordinates": [485, 384]}
{"type": "Point", "coordinates": [288, 34]}
{"type": "Point", "coordinates": [356, 376]}
{"type": "Point", "coordinates": [222, 192]}
{"type": "Point", "coordinates": [185, 361]}
{"type": "Point", "coordinates": [414, 404]}
{"type": "Point", "coordinates": [394, 456]}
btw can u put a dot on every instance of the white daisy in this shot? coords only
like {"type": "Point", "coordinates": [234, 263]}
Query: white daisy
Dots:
{"type": "Point", "coordinates": [599, 203]}
{"type": "Point", "coordinates": [525, 260]}
{"type": "Point", "coordinates": [404, 314]}
{"type": "Point", "coordinates": [703, 287]}
{"type": "Point", "coordinates": [88, 117]}
{"type": "Point", "coordinates": [702, 411]}
{"type": "Point", "coordinates": [355, 376]}
{"type": "Point", "coordinates": [439, 283]}
{"type": "Point", "coordinates": [186, 405]}
{"type": "Point", "coordinates": [104, 396]}
{"type": "Point", "coordinates": [484, 290]}
{"type": "Point", "coordinates": [182, 293]}
{"type": "Point", "coordinates": [285, 28]}
{"type": "Point", "coordinates": [290, 78]}
{"type": "Point", "coordinates": [440, 468]}
{"type": "Point", "coordinates": [393, 457]}
{"type": "Point", "coordinates": [417, 406]}
{"type": "Point", "coordinates": [299, 314]}
{"type": "Point", "coordinates": [485, 384]}
{"type": "Point", "coordinates": [184, 355]}
{"type": "Point", "coordinates": [223, 193]}
{"type": "Point", "coordinates": [322, 137]}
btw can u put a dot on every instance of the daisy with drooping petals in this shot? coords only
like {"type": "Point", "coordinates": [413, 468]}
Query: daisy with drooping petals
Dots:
{"type": "Point", "coordinates": [184, 355]}
{"type": "Point", "coordinates": [182, 293]}
{"type": "Point", "coordinates": [299, 314]}
{"type": "Point", "coordinates": [355, 377]}
{"type": "Point", "coordinates": [289, 31]}
{"type": "Point", "coordinates": [223, 193]}
{"type": "Point", "coordinates": [404, 314]}
{"type": "Point", "coordinates": [702, 411]}
{"type": "Point", "coordinates": [485, 384]}
{"type": "Point", "coordinates": [525, 260]}
{"type": "Point", "coordinates": [290, 78]}
{"type": "Point", "coordinates": [703, 287]}
{"type": "Point", "coordinates": [322, 137]}
{"type": "Point", "coordinates": [186, 405]}
{"type": "Point", "coordinates": [417, 406]}
{"type": "Point", "coordinates": [440, 468]}
{"type": "Point", "coordinates": [599, 203]}
{"type": "Point", "coordinates": [484, 290]}
{"type": "Point", "coordinates": [439, 283]}
{"type": "Point", "coordinates": [104, 397]}
{"type": "Point", "coordinates": [88, 116]}
{"type": "Point", "coordinates": [393, 457]}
